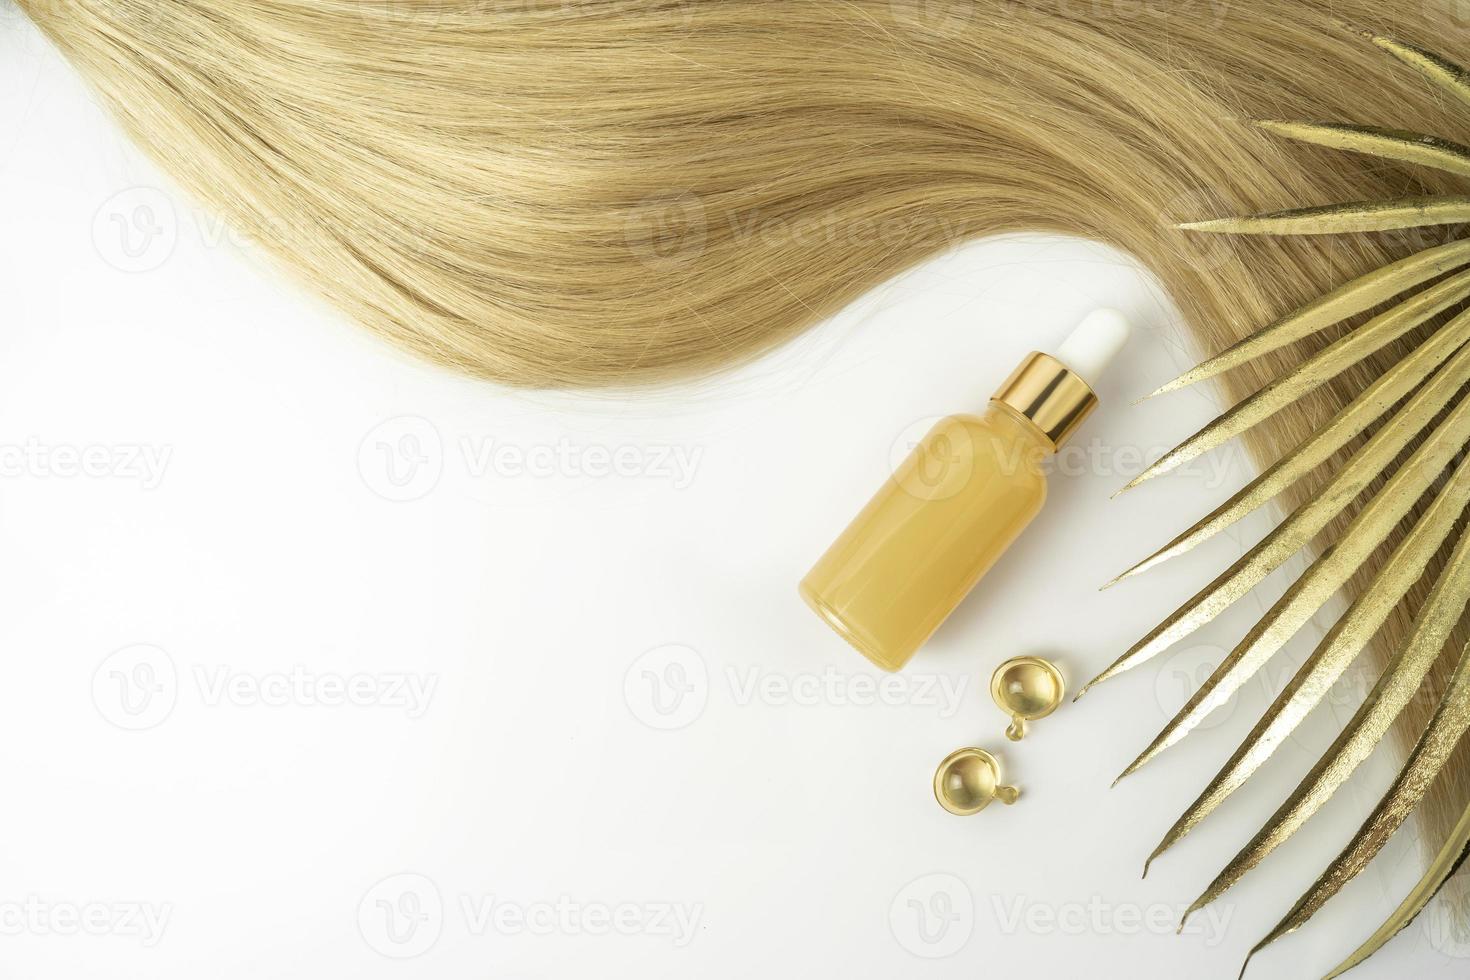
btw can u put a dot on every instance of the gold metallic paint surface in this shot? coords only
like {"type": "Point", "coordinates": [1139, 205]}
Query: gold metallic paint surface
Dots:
{"type": "Point", "coordinates": [1354, 419]}
{"type": "Point", "coordinates": [1387, 144]}
{"type": "Point", "coordinates": [1434, 620]}
{"type": "Point", "coordinates": [1445, 75]}
{"type": "Point", "coordinates": [1316, 371]}
{"type": "Point", "coordinates": [1399, 683]}
{"type": "Point", "coordinates": [1441, 870]}
{"type": "Point", "coordinates": [1348, 300]}
{"type": "Point", "coordinates": [1336, 219]}
{"type": "Point", "coordinates": [1049, 395]}
{"type": "Point", "coordinates": [1298, 529]}
{"type": "Point", "coordinates": [1322, 580]}
{"type": "Point", "coordinates": [1348, 637]}
{"type": "Point", "coordinates": [1445, 729]}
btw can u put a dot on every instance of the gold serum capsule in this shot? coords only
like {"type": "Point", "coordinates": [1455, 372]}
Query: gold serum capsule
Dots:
{"type": "Point", "coordinates": [956, 503]}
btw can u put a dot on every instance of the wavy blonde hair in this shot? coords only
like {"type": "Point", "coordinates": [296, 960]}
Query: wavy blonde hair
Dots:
{"type": "Point", "coordinates": [608, 192]}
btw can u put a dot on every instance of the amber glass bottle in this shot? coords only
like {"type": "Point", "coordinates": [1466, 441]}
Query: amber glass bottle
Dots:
{"type": "Point", "coordinates": [957, 502]}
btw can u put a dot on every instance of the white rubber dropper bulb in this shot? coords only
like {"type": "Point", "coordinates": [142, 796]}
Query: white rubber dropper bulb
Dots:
{"type": "Point", "coordinates": [1094, 344]}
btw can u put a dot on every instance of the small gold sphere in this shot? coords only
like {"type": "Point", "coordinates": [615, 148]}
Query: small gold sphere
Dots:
{"type": "Point", "coordinates": [1027, 688]}
{"type": "Point", "coordinates": [968, 780]}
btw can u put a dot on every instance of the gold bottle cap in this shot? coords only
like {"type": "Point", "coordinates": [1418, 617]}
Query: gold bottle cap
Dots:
{"type": "Point", "coordinates": [1050, 395]}
{"type": "Point", "coordinates": [1055, 393]}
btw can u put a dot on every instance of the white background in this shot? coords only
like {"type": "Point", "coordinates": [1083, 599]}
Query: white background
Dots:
{"type": "Point", "coordinates": [632, 744]}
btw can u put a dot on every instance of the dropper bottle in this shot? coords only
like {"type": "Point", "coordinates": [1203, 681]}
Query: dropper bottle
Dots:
{"type": "Point", "coordinates": [957, 502]}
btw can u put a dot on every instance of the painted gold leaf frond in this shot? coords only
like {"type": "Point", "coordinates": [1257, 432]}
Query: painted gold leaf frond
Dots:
{"type": "Point", "coordinates": [1450, 722]}
{"type": "Point", "coordinates": [1337, 219]}
{"type": "Point", "coordinates": [1416, 407]}
{"type": "Point", "coordinates": [1321, 581]}
{"type": "Point", "coordinates": [1444, 74]}
{"type": "Point", "coordinates": [1299, 528]}
{"type": "Point", "coordinates": [1396, 687]}
{"type": "Point", "coordinates": [1441, 870]}
{"type": "Point", "coordinates": [1344, 302]}
{"type": "Point", "coordinates": [1314, 373]}
{"type": "Point", "coordinates": [1386, 144]}
{"type": "Point", "coordinates": [1369, 406]}
{"type": "Point", "coordinates": [1342, 644]}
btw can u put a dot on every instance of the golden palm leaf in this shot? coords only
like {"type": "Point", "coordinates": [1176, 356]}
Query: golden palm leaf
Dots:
{"type": "Point", "coordinates": [1414, 407]}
